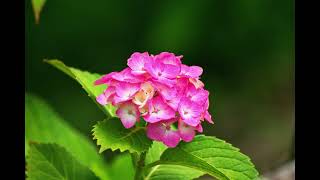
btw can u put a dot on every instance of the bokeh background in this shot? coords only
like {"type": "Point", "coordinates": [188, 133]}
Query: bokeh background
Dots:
{"type": "Point", "coordinates": [245, 47]}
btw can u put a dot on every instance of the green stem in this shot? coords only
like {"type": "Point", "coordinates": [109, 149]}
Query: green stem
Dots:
{"type": "Point", "coordinates": [140, 166]}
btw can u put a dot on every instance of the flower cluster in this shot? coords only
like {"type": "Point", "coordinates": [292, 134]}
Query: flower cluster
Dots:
{"type": "Point", "coordinates": [163, 91]}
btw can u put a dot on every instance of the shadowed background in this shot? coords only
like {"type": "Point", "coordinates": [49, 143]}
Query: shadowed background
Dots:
{"type": "Point", "coordinates": [245, 47]}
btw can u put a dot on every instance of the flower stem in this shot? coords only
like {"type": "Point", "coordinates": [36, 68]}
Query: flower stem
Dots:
{"type": "Point", "coordinates": [139, 166]}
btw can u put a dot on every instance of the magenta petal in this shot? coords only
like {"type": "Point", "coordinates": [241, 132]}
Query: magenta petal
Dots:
{"type": "Point", "coordinates": [101, 99]}
{"type": "Point", "coordinates": [190, 111]}
{"type": "Point", "coordinates": [207, 116]}
{"type": "Point", "coordinates": [196, 82]}
{"type": "Point", "coordinates": [125, 90]}
{"type": "Point", "coordinates": [168, 58]}
{"type": "Point", "coordinates": [128, 114]}
{"type": "Point", "coordinates": [165, 91]}
{"type": "Point", "coordinates": [186, 132]}
{"type": "Point", "coordinates": [136, 62]}
{"type": "Point", "coordinates": [199, 95]}
{"type": "Point", "coordinates": [155, 131]}
{"type": "Point", "coordinates": [191, 71]}
{"type": "Point", "coordinates": [170, 71]}
{"type": "Point", "coordinates": [105, 79]}
{"type": "Point", "coordinates": [192, 122]}
{"type": "Point", "coordinates": [126, 76]}
{"type": "Point", "coordinates": [199, 128]}
{"type": "Point", "coordinates": [158, 110]}
{"type": "Point", "coordinates": [171, 138]}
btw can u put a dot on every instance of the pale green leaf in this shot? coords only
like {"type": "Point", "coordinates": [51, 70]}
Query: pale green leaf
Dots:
{"type": "Point", "coordinates": [122, 168]}
{"type": "Point", "coordinates": [37, 6]}
{"type": "Point", "coordinates": [86, 80]}
{"type": "Point", "coordinates": [155, 152]}
{"type": "Point", "coordinates": [111, 134]}
{"type": "Point", "coordinates": [164, 171]}
{"type": "Point", "coordinates": [213, 156]}
{"type": "Point", "coordinates": [52, 162]}
{"type": "Point", "coordinates": [172, 172]}
{"type": "Point", "coordinates": [46, 126]}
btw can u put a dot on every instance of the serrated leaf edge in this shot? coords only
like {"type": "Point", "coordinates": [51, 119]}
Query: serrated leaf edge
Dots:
{"type": "Point", "coordinates": [100, 143]}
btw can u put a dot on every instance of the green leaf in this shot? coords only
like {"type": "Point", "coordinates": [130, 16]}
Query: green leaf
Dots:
{"type": "Point", "coordinates": [46, 126]}
{"type": "Point", "coordinates": [164, 171]}
{"type": "Point", "coordinates": [37, 6]}
{"type": "Point", "coordinates": [155, 152]}
{"type": "Point", "coordinates": [86, 80]}
{"type": "Point", "coordinates": [172, 172]}
{"type": "Point", "coordinates": [122, 168]}
{"type": "Point", "coordinates": [111, 134]}
{"type": "Point", "coordinates": [50, 161]}
{"type": "Point", "coordinates": [213, 156]}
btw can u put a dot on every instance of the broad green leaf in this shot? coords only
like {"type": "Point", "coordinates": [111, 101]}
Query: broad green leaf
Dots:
{"type": "Point", "coordinates": [86, 80]}
{"type": "Point", "coordinates": [163, 171]}
{"type": "Point", "coordinates": [46, 126]}
{"type": "Point", "coordinates": [37, 6]}
{"type": "Point", "coordinates": [50, 161]}
{"type": "Point", "coordinates": [122, 168]}
{"type": "Point", "coordinates": [111, 134]}
{"type": "Point", "coordinates": [155, 152]}
{"type": "Point", "coordinates": [172, 172]}
{"type": "Point", "coordinates": [213, 156]}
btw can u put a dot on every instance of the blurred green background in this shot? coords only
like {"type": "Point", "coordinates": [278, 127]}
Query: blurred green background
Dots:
{"type": "Point", "coordinates": [245, 47]}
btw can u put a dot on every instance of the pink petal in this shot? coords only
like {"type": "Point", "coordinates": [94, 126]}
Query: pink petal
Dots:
{"type": "Point", "coordinates": [106, 96]}
{"type": "Point", "coordinates": [170, 71]}
{"type": "Point", "coordinates": [155, 131]}
{"type": "Point", "coordinates": [191, 71]}
{"type": "Point", "coordinates": [105, 79]}
{"type": "Point", "coordinates": [136, 62]}
{"type": "Point", "coordinates": [182, 84]}
{"type": "Point", "coordinates": [158, 110]}
{"type": "Point", "coordinates": [186, 132]}
{"type": "Point", "coordinates": [165, 91]}
{"type": "Point", "coordinates": [196, 82]}
{"type": "Point", "coordinates": [168, 58]}
{"type": "Point", "coordinates": [101, 99]}
{"type": "Point", "coordinates": [171, 138]}
{"type": "Point", "coordinates": [126, 91]}
{"type": "Point", "coordinates": [207, 116]}
{"type": "Point", "coordinates": [174, 102]}
{"type": "Point", "coordinates": [190, 111]}
{"type": "Point", "coordinates": [163, 73]}
{"type": "Point", "coordinates": [126, 76]}
{"type": "Point", "coordinates": [111, 90]}
{"type": "Point", "coordinates": [128, 114]}
{"type": "Point", "coordinates": [199, 95]}
{"type": "Point", "coordinates": [161, 131]}
{"type": "Point", "coordinates": [199, 128]}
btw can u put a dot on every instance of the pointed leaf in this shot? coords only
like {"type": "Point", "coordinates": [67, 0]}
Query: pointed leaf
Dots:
{"type": "Point", "coordinates": [37, 6]}
{"type": "Point", "coordinates": [111, 134]}
{"type": "Point", "coordinates": [164, 171]}
{"type": "Point", "coordinates": [46, 126]}
{"type": "Point", "coordinates": [155, 152]}
{"type": "Point", "coordinates": [172, 172]}
{"type": "Point", "coordinates": [86, 80]}
{"type": "Point", "coordinates": [50, 161]}
{"type": "Point", "coordinates": [213, 156]}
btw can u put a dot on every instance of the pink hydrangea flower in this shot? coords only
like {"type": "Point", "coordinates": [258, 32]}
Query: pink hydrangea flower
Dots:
{"type": "Point", "coordinates": [167, 94]}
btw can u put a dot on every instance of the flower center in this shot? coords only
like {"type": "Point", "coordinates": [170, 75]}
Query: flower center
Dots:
{"type": "Point", "coordinates": [130, 112]}
{"type": "Point", "coordinates": [159, 74]}
{"type": "Point", "coordinates": [155, 111]}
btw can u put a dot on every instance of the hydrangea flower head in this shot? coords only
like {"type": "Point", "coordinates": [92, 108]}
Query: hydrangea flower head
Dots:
{"type": "Point", "coordinates": [167, 94]}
